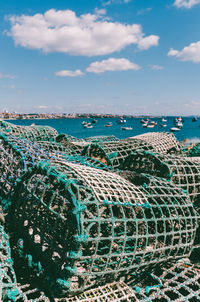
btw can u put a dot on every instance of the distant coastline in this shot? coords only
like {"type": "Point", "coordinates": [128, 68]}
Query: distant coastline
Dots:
{"type": "Point", "coordinates": [44, 116]}
{"type": "Point", "coordinates": [38, 116]}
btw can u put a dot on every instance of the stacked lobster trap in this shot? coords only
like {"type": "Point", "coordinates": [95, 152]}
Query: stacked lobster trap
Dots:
{"type": "Point", "coordinates": [32, 133]}
{"type": "Point", "coordinates": [115, 153]}
{"type": "Point", "coordinates": [118, 227]}
{"type": "Point", "coordinates": [99, 219]}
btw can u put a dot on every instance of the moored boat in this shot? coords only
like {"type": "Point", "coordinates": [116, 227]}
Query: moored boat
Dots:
{"type": "Point", "coordinates": [109, 124]}
{"type": "Point", "coordinates": [126, 128]}
{"type": "Point", "coordinates": [174, 129]}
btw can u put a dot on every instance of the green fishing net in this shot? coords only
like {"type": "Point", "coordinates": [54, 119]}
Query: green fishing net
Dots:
{"type": "Point", "coordinates": [8, 283]}
{"type": "Point", "coordinates": [115, 153]}
{"type": "Point", "coordinates": [32, 133]}
{"type": "Point", "coordinates": [94, 226]}
{"type": "Point", "coordinates": [17, 155]}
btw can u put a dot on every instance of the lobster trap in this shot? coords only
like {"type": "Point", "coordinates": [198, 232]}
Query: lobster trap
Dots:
{"type": "Point", "coordinates": [94, 226]}
{"type": "Point", "coordinates": [102, 138]}
{"type": "Point", "coordinates": [182, 171]}
{"type": "Point", "coordinates": [116, 291]}
{"type": "Point", "coordinates": [174, 282]}
{"type": "Point", "coordinates": [193, 150]}
{"type": "Point", "coordinates": [17, 155]}
{"type": "Point", "coordinates": [29, 294]}
{"type": "Point", "coordinates": [162, 142]}
{"type": "Point", "coordinates": [115, 153]}
{"type": "Point", "coordinates": [68, 148]}
{"type": "Point", "coordinates": [31, 133]}
{"type": "Point", "coordinates": [8, 283]}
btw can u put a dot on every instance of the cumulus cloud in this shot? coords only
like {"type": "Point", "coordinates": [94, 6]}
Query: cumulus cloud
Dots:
{"type": "Point", "coordinates": [87, 35]}
{"type": "Point", "coordinates": [69, 73]}
{"type": "Point", "coordinates": [6, 76]}
{"type": "Point", "coordinates": [155, 67]}
{"type": "Point", "coordinates": [188, 53]}
{"type": "Point", "coordinates": [186, 3]}
{"type": "Point", "coordinates": [112, 64]}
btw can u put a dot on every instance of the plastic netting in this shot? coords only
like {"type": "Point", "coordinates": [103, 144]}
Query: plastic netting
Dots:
{"type": "Point", "coordinates": [175, 282]}
{"type": "Point", "coordinates": [69, 148]}
{"type": "Point", "coordinates": [182, 171]}
{"type": "Point", "coordinates": [94, 226]}
{"type": "Point", "coordinates": [192, 150]}
{"type": "Point", "coordinates": [67, 138]}
{"type": "Point", "coordinates": [109, 138]}
{"type": "Point", "coordinates": [29, 294]}
{"type": "Point", "coordinates": [115, 153]}
{"type": "Point", "coordinates": [8, 285]}
{"type": "Point", "coordinates": [32, 133]}
{"type": "Point", "coordinates": [162, 142]}
{"type": "Point", "coordinates": [17, 155]}
{"type": "Point", "coordinates": [116, 291]}
{"type": "Point", "coordinates": [179, 282]}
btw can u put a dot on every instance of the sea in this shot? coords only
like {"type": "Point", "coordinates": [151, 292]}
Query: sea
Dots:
{"type": "Point", "coordinates": [74, 127]}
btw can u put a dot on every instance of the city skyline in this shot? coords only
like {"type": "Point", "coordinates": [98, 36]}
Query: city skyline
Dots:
{"type": "Point", "coordinates": [116, 56]}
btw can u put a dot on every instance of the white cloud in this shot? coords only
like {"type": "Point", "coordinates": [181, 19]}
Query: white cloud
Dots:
{"type": "Point", "coordinates": [155, 67]}
{"type": "Point", "coordinates": [87, 35]}
{"type": "Point", "coordinates": [147, 42]}
{"type": "Point", "coordinates": [144, 11]}
{"type": "Point", "coordinates": [112, 64]}
{"type": "Point", "coordinates": [69, 73]}
{"type": "Point", "coordinates": [188, 53]}
{"type": "Point", "coordinates": [100, 12]}
{"type": "Point", "coordinates": [109, 2]}
{"type": "Point", "coordinates": [186, 3]}
{"type": "Point", "coordinates": [6, 76]}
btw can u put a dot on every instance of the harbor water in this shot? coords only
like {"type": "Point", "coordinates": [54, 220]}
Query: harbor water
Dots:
{"type": "Point", "coordinates": [74, 127]}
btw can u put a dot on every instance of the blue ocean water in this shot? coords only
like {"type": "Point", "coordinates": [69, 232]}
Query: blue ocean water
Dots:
{"type": "Point", "coordinates": [190, 130]}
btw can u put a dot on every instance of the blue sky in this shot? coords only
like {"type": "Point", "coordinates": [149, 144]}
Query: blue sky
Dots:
{"type": "Point", "coordinates": [105, 56]}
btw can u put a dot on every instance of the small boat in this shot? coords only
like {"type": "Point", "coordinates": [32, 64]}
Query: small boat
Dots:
{"type": "Point", "coordinates": [150, 126]}
{"type": "Point", "coordinates": [153, 123]}
{"type": "Point", "coordinates": [174, 129]}
{"type": "Point", "coordinates": [163, 119]}
{"type": "Point", "coordinates": [179, 124]}
{"type": "Point", "coordinates": [194, 119]}
{"type": "Point", "coordinates": [145, 125]}
{"type": "Point", "coordinates": [144, 121]}
{"type": "Point", "coordinates": [121, 121]}
{"type": "Point", "coordinates": [163, 125]}
{"type": "Point", "coordinates": [88, 125]}
{"type": "Point", "coordinates": [126, 128]}
{"type": "Point", "coordinates": [109, 124]}
{"type": "Point", "coordinates": [84, 123]}
{"type": "Point", "coordinates": [94, 121]}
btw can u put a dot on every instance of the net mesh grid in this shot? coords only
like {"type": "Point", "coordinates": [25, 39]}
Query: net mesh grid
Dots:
{"type": "Point", "coordinates": [163, 142]}
{"type": "Point", "coordinates": [116, 291]}
{"type": "Point", "coordinates": [32, 133]}
{"type": "Point", "coordinates": [27, 293]}
{"type": "Point", "coordinates": [192, 150]}
{"type": "Point", "coordinates": [17, 155]}
{"type": "Point", "coordinates": [109, 138]}
{"type": "Point", "coordinates": [8, 284]}
{"type": "Point", "coordinates": [182, 171]}
{"type": "Point", "coordinates": [175, 282]}
{"type": "Point", "coordinates": [115, 153]}
{"type": "Point", "coordinates": [117, 226]}
{"type": "Point", "coordinates": [70, 148]}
